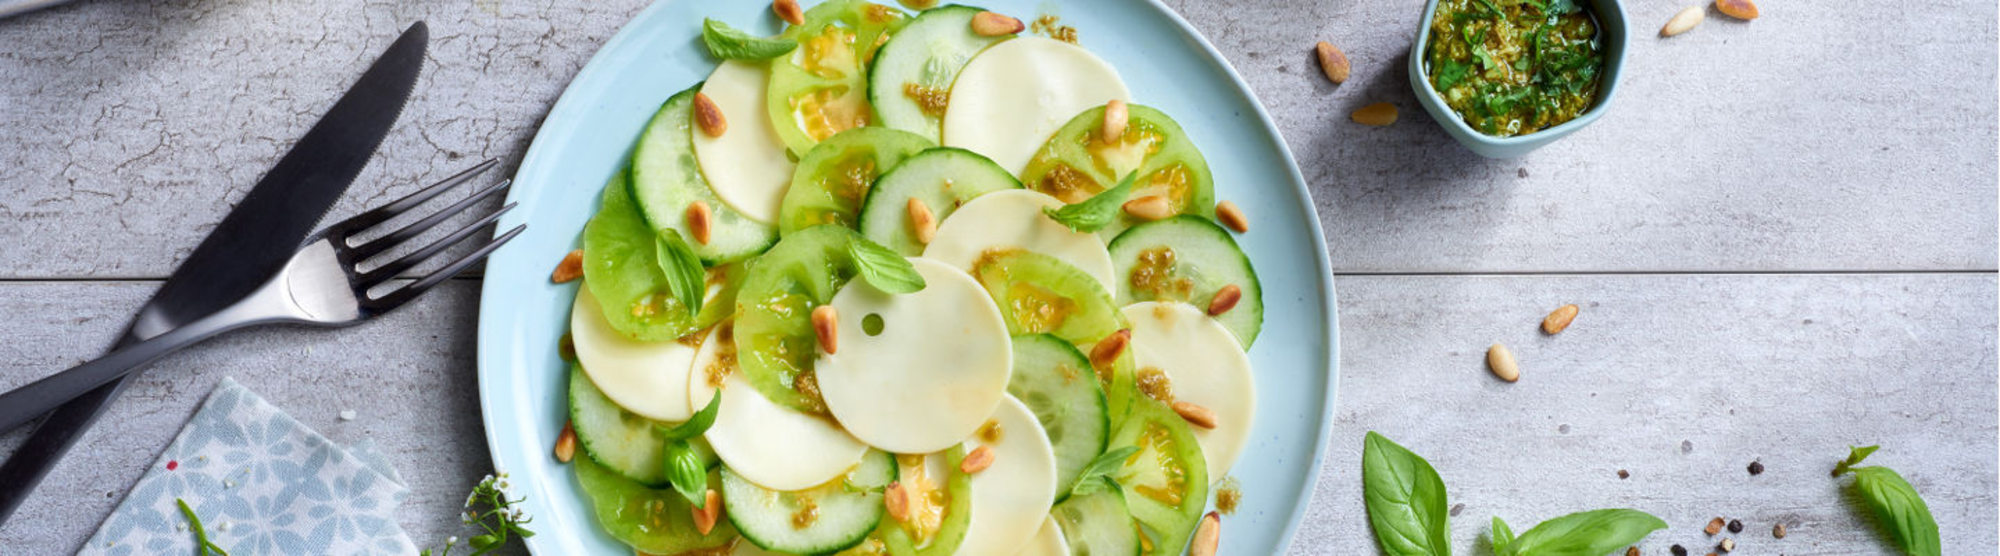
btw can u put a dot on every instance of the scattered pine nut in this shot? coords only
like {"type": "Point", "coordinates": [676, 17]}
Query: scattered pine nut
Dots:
{"type": "Point", "coordinates": [698, 221]}
{"type": "Point", "coordinates": [710, 512]}
{"type": "Point", "coordinates": [1195, 415]}
{"type": "Point", "coordinates": [1224, 300]}
{"type": "Point", "coordinates": [1739, 9]}
{"type": "Point", "coordinates": [1115, 115]}
{"type": "Point", "coordinates": [1502, 363]}
{"type": "Point", "coordinates": [1559, 319]}
{"type": "Point", "coordinates": [1631, 551]}
{"type": "Point", "coordinates": [709, 116]}
{"type": "Point", "coordinates": [1108, 349]}
{"type": "Point", "coordinates": [566, 444]}
{"type": "Point", "coordinates": [569, 269]}
{"type": "Point", "coordinates": [922, 222]}
{"type": "Point", "coordinates": [826, 323]}
{"type": "Point", "coordinates": [1232, 216]}
{"type": "Point", "coordinates": [1378, 114]}
{"type": "Point", "coordinates": [1726, 545]}
{"type": "Point", "coordinates": [897, 500]}
{"type": "Point", "coordinates": [980, 459]}
{"type": "Point", "coordinates": [1333, 62]}
{"type": "Point", "coordinates": [1683, 21]}
{"type": "Point", "coordinates": [989, 24]}
{"type": "Point", "coordinates": [1206, 536]}
{"type": "Point", "coordinates": [1714, 526]}
{"type": "Point", "coordinates": [1150, 207]}
{"type": "Point", "coordinates": [789, 11]}
{"type": "Point", "coordinates": [1778, 530]}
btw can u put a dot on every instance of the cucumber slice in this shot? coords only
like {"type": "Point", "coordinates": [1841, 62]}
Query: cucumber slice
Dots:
{"type": "Point", "coordinates": [833, 179]}
{"type": "Point", "coordinates": [944, 509]}
{"type": "Point", "coordinates": [1040, 294]}
{"type": "Point", "coordinates": [654, 521]}
{"type": "Point", "coordinates": [621, 267]}
{"type": "Point", "coordinates": [819, 520]}
{"type": "Point", "coordinates": [1188, 258]}
{"type": "Point", "coordinates": [666, 180]}
{"type": "Point", "coordinates": [619, 440]}
{"type": "Point", "coordinates": [1167, 480]}
{"type": "Point", "coordinates": [821, 88]}
{"type": "Point", "coordinates": [1057, 383]}
{"type": "Point", "coordinates": [910, 79]}
{"type": "Point", "coordinates": [775, 345]}
{"type": "Point", "coordinates": [1098, 524]}
{"type": "Point", "coordinates": [1075, 164]}
{"type": "Point", "coordinates": [943, 178]}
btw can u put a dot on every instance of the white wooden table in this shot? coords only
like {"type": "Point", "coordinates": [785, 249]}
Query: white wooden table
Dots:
{"type": "Point", "coordinates": [1782, 237]}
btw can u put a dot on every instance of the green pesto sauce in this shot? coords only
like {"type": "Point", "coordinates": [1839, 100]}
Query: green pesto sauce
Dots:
{"type": "Point", "coordinates": [1513, 67]}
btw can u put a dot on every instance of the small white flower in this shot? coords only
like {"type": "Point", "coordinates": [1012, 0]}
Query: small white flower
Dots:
{"type": "Point", "coordinates": [224, 526]}
{"type": "Point", "coordinates": [451, 540]}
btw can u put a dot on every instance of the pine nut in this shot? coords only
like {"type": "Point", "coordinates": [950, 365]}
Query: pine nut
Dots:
{"type": "Point", "coordinates": [1114, 121]}
{"type": "Point", "coordinates": [1739, 9]}
{"type": "Point", "coordinates": [922, 222]}
{"type": "Point", "coordinates": [1206, 536]}
{"type": "Point", "coordinates": [1150, 207]}
{"type": "Point", "coordinates": [1378, 114]}
{"type": "Point", "coordinates": [980, 459]}
{"type": "Point", "coordinates": [897, 500]}
{"type": "Point", "coordinates": [1224, 300]}
{"type": "Point", "coordinates": [1683, 21]}
{"type": "Point", "coordinates": [1502, 363]}
{"type": "Point", "coordinates": [569, 269]}
{"type": "Point", "coordinates": [566, 444]}
{"type": "Point", "coordinates": [1232, 216]}
{"type": "Point", "coordinates": [1559, 319]}
{"type": "Point", "coordinates": [710, 512]}
{"type": "Point", "coordinates": [989, 24]}
{"type": "Point", "coordinates": [789, 11]}
{"type": "Point", "coordinates": [1195, 415]}
{"type": "Point", "coordinates": [1333, 62]}
{"type": "Point", "coordinates": [1108, 349]}
{"type": "Point", "coordinates": [698, 221]}
{"type": "Point", "coordinates": [1714, 526]}
{"type": "Point", "coordinates": [826, 322]}
{"type": "Point", "coordinates": [709, 116]}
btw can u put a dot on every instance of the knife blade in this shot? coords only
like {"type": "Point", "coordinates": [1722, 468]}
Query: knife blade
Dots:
{"type": "Point", "coordinates": [250, 244]}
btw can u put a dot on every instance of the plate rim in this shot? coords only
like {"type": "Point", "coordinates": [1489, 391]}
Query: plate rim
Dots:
{"type": "Point", "coordinates": [560, 116]}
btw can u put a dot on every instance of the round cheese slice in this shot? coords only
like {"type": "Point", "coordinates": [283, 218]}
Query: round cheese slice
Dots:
{"type": "Point", "coordinates": [931, 372]}
{"type": "Point", "coordinates": [1013, 219]}
{"type": "Point", "coordinates": [1011, 498]}
{"type": "Point", "coordinates": [1048, 541]}
{"type": "Point", "coordinates": [1014, 95]}
{"type": "Point", "coordinates": [776, 447]}
{"type": "Point", "coordinates": [746, 166]}
{"type": "Point", "coordinates": [649, 379]}
{"type": "Point", "coordinates": [1205, 366]}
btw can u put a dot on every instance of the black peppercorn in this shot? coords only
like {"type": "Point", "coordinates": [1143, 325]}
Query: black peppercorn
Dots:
{"type": "Point", "coordinates": [1756, 467]}
{"type": "Point", "coordinates": [1735, 526]}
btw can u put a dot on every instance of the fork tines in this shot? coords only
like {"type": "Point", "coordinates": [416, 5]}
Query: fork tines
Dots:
{"type": "Point", "coordinates": [351, 256]}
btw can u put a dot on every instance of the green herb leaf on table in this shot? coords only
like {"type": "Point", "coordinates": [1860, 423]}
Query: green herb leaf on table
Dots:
{"type": "Point", "coordinates": [1097, 475]}
{"type": "Point", "coordinates": [202, 546]}
{"type": "Point", "coordinates": [1406, 499]}
{"type": "Point", "coordinates": [685, 275]}
{"type": "Point", "coordinates": [1591, 533]}
{"type": "Point", "coordinates": [883, 268]}
{"type": "Point", "coordinates": [729, 43]}
{"type": "Point", "coordinates": [500, 520]}
{"type": "Point", "coordinates": [1895, 504]}
{"type": "Point", "coordinates": [687, 472]}
{"type": "Point", "coordinates": [1502, 535]}
{"type": "Point", "coordinates": [1095, 213]}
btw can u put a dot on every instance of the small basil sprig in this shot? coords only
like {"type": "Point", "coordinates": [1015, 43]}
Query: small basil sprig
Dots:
{"type": "Point", "coordinates": [685, 469]}
{"type": "Point", "coordinates": [1405, 500]}
{"type": "Point", "coordinates": [1591, 533]}
{"type": "Point", "coordinates": [202, 546]}
{"type": "Point", "coordinates": [685, 276]}
{"type": "Point", "coordinates": [1097, 476]}
{"type": "Point", "coordinates": [1095, 213]}
{"type": "Point", "coordinates": [728, 43]}
{"type": "Point", "coordinates": [885, 269]}
{"type": "Point", "coordinates": [695, 425]}
{"type": "Point", "coordinates": [1895, 503]}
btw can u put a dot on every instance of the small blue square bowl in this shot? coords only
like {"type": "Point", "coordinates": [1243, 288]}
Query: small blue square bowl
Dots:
{"type": "Point", "coordinates": [1611, 23]}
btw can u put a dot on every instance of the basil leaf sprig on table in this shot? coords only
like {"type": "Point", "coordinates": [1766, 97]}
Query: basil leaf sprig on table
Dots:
{"type": "Point", "coordinates": [1895, 503]}
{"type": "Point", "coordinates": [883, 268]}
{"type": "Point", "coordinates": [685, 469]}
{"type": "Point", "coordinates": [685, 275]}
{"type": "Point", "coordinates": [729, 43]}
{"type": "Point", "coordinates": [1095, 213]}
{"type": "Point", "coordinates": [1591, 533]}
{"type": "Point", "coordinates": [1406, 499]}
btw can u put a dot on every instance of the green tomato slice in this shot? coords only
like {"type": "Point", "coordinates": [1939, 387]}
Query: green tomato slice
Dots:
{"type": "Point", "coordinates": [622, 269]}
{"type": "Point", "coordinates": [1076, 164]}
{"type": "Point", "coordinates": [1040, 294]}
{"type": "Point", "coordinates": [656, 521]}
{"type": "Point", "coordinates": [834, 178]}
{"type": "Point", "coordinates": [821, 88]}
{"type": "Point", "coordinates": [1166, 481]}
{"type": "Point", "coordinates": [774, 338]}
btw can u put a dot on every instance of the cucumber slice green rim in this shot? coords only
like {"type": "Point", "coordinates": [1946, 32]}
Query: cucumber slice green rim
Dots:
{"type": "Point", "coordinates": [1058, 385]}
{"type": "Point", "coordinates": [622, 269]}
{"type": "Point", "coordinates": [1075, 164]}
{"type": "Point", "coordinates": [819, 520]}
{"type": "Point", "coordinates": [821, 88]}
{"type": "Point", "coordinates": [1188, 258]}
{"type": "Point", "coordinates": [835, 177]}
{"type": "Point", "coordinates": [1040, 294]}
{"type": "Point", "coordinates": [943, 178]}
{"type": "Point", "coordinates": [666, 180]}
{"type": "Point", "coordinates": [1166, 482]}
{"type": "Point", "coordinates": [654, 521]}
{"type": "Point", "coordinates": [910, 80]}
{"type": "Point", "coordinates": [1098, 524]}
{"type": "Point", "coordinates": [621, 441]}
{"type": "Point", "coordinates": [775, 345]}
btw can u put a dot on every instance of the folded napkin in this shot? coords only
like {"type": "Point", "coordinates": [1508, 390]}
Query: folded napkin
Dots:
{"type": "Point", "coordinates": [262, 483]}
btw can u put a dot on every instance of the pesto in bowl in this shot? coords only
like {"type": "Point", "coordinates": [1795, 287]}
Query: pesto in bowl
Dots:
{"type": "Point", "coordinates": [1514, 67]}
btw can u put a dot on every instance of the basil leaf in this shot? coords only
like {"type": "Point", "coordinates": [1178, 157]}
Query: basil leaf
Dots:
{"type": "Point", "coordinates": [1095, 213]}
{"type": "Point", "coordinates": [1502, 536]}
{"type": "Point", "coordinates": [1405, 500]}
{"type": "Point", "coordinates": [685, 275]}
{"type": "Point", "coordinates": [1895, 504]}
{"type": "Point", "coordinates": [885, 269]}
{"type": "Point", "coordinates": [1449, 74]}
{"type": "Point", "coordinates": [1854, 457]}
{"type": "Point", "coordinates": [1591, 533]}
{"type": "Point", "coordinates": [686, 471]}
{"type": "Point", "coordinates": [728, 43]}
{"type": "Point", "coordinates": [695, 425]}
{"type": "Point", "coordinates": [1097, 475]}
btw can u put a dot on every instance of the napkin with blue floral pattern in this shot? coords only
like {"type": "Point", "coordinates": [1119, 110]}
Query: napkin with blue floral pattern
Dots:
{"type": "Point", "coordinates": [262, 483]}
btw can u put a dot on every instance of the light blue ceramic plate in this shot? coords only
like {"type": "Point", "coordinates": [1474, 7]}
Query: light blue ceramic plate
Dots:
{"type": "Point", "coordinates": [1165, 62]}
